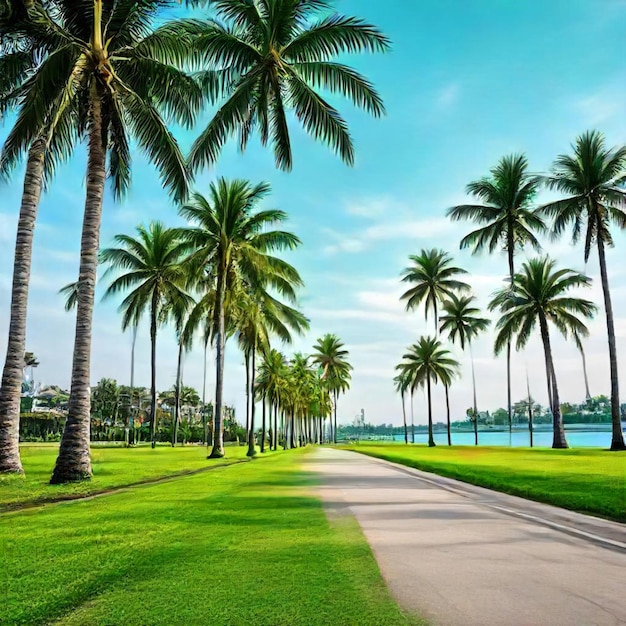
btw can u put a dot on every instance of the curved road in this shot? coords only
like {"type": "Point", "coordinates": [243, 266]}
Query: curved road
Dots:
{"type": "Point", "coordinates": [451, 553]}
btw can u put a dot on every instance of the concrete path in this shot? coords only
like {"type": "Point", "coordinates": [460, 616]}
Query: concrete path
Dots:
{"type": "Point", "coordinates": [460, 558]}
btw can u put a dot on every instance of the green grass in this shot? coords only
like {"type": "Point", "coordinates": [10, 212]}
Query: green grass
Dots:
{"type": "Point", "coordinates": [113, 466]}
{"type": "Point", "coordinates": [590, 481]}
{"type": "Point", "coordinates": [239, 545]}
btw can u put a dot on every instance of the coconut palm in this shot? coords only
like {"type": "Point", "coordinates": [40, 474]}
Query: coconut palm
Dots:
{"type": "Point", "coordinates": [402, 383]}
{"type": "Point", "coordinates": [433, 278]}
{"type": "Point", "coordinates": [539, 294]}
{"type": "Point", "coordinates": [156, 272]}
{"type": "Point", "coordinates": [269, 382]}
{"type": "Point", "coordinates": [579, 344]}
{"type": "Point", "coordinates": [232, 241]}
{"type": "Point", "coordinates": [507, 221]}
{"type": "Point", "coordinates": [462, 323]}
{"type": "Point", "coordinates": [275, 55]}
{"type": "Point", "coordinates": [427, 362]}
{"type": "Point", "coordinates": [25, 46]}
{"type": "Point", "coordinates": [331, 355]}
{"type": "Point", "coordinates": [109, 75]}
{"type": "Point", "coordinates": [591, 179]}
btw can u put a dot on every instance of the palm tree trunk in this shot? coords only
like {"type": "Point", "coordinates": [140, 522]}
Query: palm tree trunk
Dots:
{"type": "Point", "coordinates": [251, 448]}
{"type": "Point", "coordinates": [530, 411]}
{"type": "Point", "coordinates": [263, 428]}
{"type": "Point", "coordinates": [406, 432]}
{"type": "Point", "coordinates": [11, 388]}
{"type": "Point", "coordinates": [73, 462]}
{"type": "Point", "coordinates": [179, 372]}
{"type": "Point", "coordinates": [431, 439]}
{"type": "Point", "coordinates": [204, 433]}
{"type": "Point", "coordinates": [335, 417]}
{"type": "Point", "coordinates": [447, 390]}
{"type": "Point", "coordinates": [584, 359]}
{"type": "Point", "coordinates": [218, 425]}
{"type": "Point", "coordinates": [475, 402]}
{"type": "Point", "coordinates": [246, 359]}
{"type": "Point", "coordinates": [153, 334]}
{"type": "Point", "coordinates": [275, 432]}
{"type": "Point", "coordinates": [511, 252]}
{"type": "Point", "coordinates": [558, 439]}
{"type": "Point", "coordinates": [617, 438]}
{"type": "Point", "coordinates": [412, 419]}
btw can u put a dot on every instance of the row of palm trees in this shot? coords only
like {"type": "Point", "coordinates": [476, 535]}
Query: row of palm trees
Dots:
{"type": "Point", "coordinates": [109, 73]}
{"type": "Point", "coordinates": [592, 181]}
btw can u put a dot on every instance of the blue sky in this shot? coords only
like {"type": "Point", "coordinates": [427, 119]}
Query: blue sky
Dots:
{"type": "Point", "coordinates": [466, 83]}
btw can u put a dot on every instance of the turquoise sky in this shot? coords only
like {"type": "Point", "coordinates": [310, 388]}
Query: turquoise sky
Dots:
{"type": "Point", "coordinates": [467, 82]}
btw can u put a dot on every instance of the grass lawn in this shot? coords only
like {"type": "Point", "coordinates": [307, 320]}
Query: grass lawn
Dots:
{"type": "Point", "coordinates": [113, 466]}
{"type": "Point", "coordinates": [239, 545]}
{"type": "Point", "coordinates": [587, 480]}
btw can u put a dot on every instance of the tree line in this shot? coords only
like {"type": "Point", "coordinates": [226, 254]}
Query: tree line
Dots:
{"type": "Point", "coordinates": [591, 184]}
{"type": "Point", "coordinates": [107, 73]}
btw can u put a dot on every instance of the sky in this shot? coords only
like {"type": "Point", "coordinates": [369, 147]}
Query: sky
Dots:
{"type": "Point", "coordinates": [465, 84]}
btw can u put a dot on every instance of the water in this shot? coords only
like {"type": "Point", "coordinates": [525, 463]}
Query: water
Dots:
{"type": "Point", "coordinates": [542, 439]}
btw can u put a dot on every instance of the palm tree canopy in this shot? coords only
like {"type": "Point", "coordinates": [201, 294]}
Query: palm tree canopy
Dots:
{"type": "Point", "coordinates": [462, 320]}
{"type": "Point", "coordinates": [537, 291]}
{"type": "Point", "coordinates": [268, 56]}
{"type": "Point", "coordinates": [433, 278]}
{"type": "Point", "coordinates": [505, 214]}
{"type": "Point", "coordinates": [592, 180]}
{"type": "Point", "coordinates": [272, 372]}
{"type": "Point", "coordinates": [154, 270]}
{"type": "Point", "coordinates": [428, 360]}
{"type": "Point", "coordinates": [331, 355]}
{"type": "Point", "coordinates": [113, 51]}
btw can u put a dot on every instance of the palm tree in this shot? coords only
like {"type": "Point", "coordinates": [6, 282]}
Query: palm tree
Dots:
{"type": "Point", "coordinates": [425, 363]}
{"type": "Point", "coordinates": [595, 199]}
{"type": "Point", "coordinates": [579, 344]}
{"type": "Point", "coordinates": [331, 355]}
{"type": "Point", "coordinates": [269, 381]}
{"type": "Point", "coordinates": [278, 54]}
{"type": "Point", "coordinates": [402, 383]}
{"type": "Point", "coordinates": [113, 74]}
{"type": "Point", "coordinates": [463, 324]}
{"type": "Point", "coordinates": [506, 221]}
{"type": "Point", "coordinates": [156, 271]}
{"type": "Point", "coordinates": [231, 241]}
{"type": "Point", "coordinates": [540, 294]}
{"type": "Point", "coordinates": [433, 278]}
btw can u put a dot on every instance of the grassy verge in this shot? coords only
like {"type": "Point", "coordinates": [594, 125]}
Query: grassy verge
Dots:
{"type": "Point", "coordinates": [245, 545]}
{"type": "Point", "coordinates": [113, 467]}
{"type": "Point", "coordinates": [590, 481]}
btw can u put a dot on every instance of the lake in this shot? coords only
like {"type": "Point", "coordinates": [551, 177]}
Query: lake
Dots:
{"type": "Point", "coordinates": [542, 438]}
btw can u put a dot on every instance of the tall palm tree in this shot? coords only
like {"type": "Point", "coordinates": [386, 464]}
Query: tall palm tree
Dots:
{"type": "Point", "coordinates": [427, 362]}
{"type": "Point", "coordinates": [463, 323]}
{"type": "Point", "coordinates": [579, 344]}
{"type": "Point", "coordinates": [402, 383]}
{"type": "Point", "coordinates": [540, 294]}
{"type": "Point", "coordinates": [233, 242]}
{"type": "Point", "coordinates": [591, 179]}
{"type": "Point", "coordinates": [434, 278]}
{"type": "Point", "coordinates": [275, 55]}
{"type": "Point", "coordinates": [507, 221]}
{"type": "Point", "coordinates": [25, 47]}
{"type": "Point", "coordinates": [269, 381]}
{"type": "Point", "coordinates": [331, 355]}
{"type": "Point", "coordinates": [156, 272]}
{"type": "Point", "coordinates": [113, 74]}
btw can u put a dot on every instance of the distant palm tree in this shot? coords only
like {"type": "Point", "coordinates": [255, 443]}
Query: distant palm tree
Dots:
{"type": "Point", "coordinates": [277, 55]}
{"type": "Point", "coordinates": [156, 273]}
{"type": "Point", "coordinates": [402, 383]}
{"type": "Point", "coordinates": [427, 362]}
{"type": "Point", "coordinates": [592, 181]}
{"type": "Point", "coordinates": [463, 324]}
{"type": "Point", "coordinates": [330, 354]}
{"type": "Point", "coordinates": [433, 278]}
{"type": "Point", "coordinates": [269, 382]}
{"type": "Point", "coordinates": [232, 243]}
{"type": "Point", "coordinates": [540, 294]}
{"type": "Point", "coordinates": [579, 344]}
{"type": "Point", "coordinates": [507, 221]}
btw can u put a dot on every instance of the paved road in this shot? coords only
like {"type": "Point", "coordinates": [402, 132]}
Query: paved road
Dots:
{"type": "Point", "coordinates": [459, 561]}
